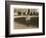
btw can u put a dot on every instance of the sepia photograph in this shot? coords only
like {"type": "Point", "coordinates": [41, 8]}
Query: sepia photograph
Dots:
{"type": "Point", "coordinates": [26, 18]}
{"type": "Point", "coordinates": [23, 18]}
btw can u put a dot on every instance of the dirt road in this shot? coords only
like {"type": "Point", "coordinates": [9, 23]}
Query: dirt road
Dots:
{"type": "Point", "coordinates": [21, 26]}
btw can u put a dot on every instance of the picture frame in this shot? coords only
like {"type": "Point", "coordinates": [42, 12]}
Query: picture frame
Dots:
{"type": "Point", "coordinates": [10, 6]}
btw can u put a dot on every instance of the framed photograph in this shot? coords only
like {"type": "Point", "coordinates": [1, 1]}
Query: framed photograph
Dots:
{"type": "Point", "coordinates": [24, 18]}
